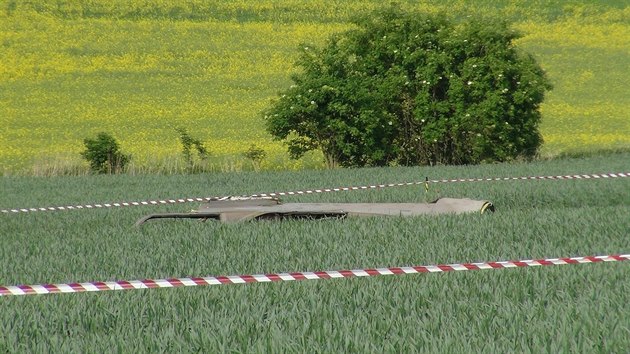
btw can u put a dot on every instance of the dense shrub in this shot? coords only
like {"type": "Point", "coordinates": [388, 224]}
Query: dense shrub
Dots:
{"type": "Point", "coordinates": [255, 154]}
{"type": "Point", "coordinates": [409, 88]}
{"type": "Point", "coordinates": [104, 155]}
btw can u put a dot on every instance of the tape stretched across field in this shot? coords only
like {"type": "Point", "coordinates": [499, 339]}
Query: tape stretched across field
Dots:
{"type": "Point", "coordinates": [281, 277]}
{"type": "Point", "coordinates": [314, 191]}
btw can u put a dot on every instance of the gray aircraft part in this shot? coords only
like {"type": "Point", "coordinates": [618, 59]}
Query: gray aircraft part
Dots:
{"type": "Point", "coordinates": [238, 209]}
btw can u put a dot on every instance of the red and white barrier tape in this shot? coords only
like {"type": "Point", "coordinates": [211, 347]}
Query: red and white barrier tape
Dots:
{"type": "Point", "coordinates": [314, 191]}
{"type": "Point", "coordinates": [281, 277]}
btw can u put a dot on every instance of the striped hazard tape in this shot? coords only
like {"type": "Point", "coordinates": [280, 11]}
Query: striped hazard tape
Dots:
{"type": "Point", "coordinates": [281, 277]}
{"type": "Point", "coordinates": [315, 191]}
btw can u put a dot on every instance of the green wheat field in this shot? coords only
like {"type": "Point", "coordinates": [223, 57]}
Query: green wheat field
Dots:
{"type": "Point", "coordinates": [575, 308]}
{"type": "Point", "coordinates": [141, 69]}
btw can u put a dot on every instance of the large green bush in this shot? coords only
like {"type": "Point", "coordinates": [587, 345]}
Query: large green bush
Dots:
{"type": "Point", "coordinates": [409, 88]}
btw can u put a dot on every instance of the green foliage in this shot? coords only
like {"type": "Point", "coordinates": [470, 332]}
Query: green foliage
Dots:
{"type": "Point", "coordinates": [256, 155]}
{"type": "Point", "coordinates": [409, 88]}
{"type": "Point", "coordinates": [104, 155]}
{"type": "Point", "coordinates": [189, 146]}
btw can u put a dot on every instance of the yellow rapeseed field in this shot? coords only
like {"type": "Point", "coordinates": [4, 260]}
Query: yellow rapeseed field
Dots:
{"type": "Point", "coordinates": [139, 70]}
{"type": "Point", "coordinates": [588, 61]}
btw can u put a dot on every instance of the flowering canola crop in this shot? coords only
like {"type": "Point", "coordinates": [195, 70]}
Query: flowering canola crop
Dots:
{"type": "Point", "coordinates": [68, 73]}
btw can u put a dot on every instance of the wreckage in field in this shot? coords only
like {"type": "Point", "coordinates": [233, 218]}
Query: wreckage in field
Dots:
{"type": "Point", "coordinates": [235, 209]}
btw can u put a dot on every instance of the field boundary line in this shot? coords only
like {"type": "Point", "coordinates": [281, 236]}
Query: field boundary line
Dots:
{"type": "Point", "coordinates": [590, 176]}
{"type": "Point", "coordinates": [293, 276]}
